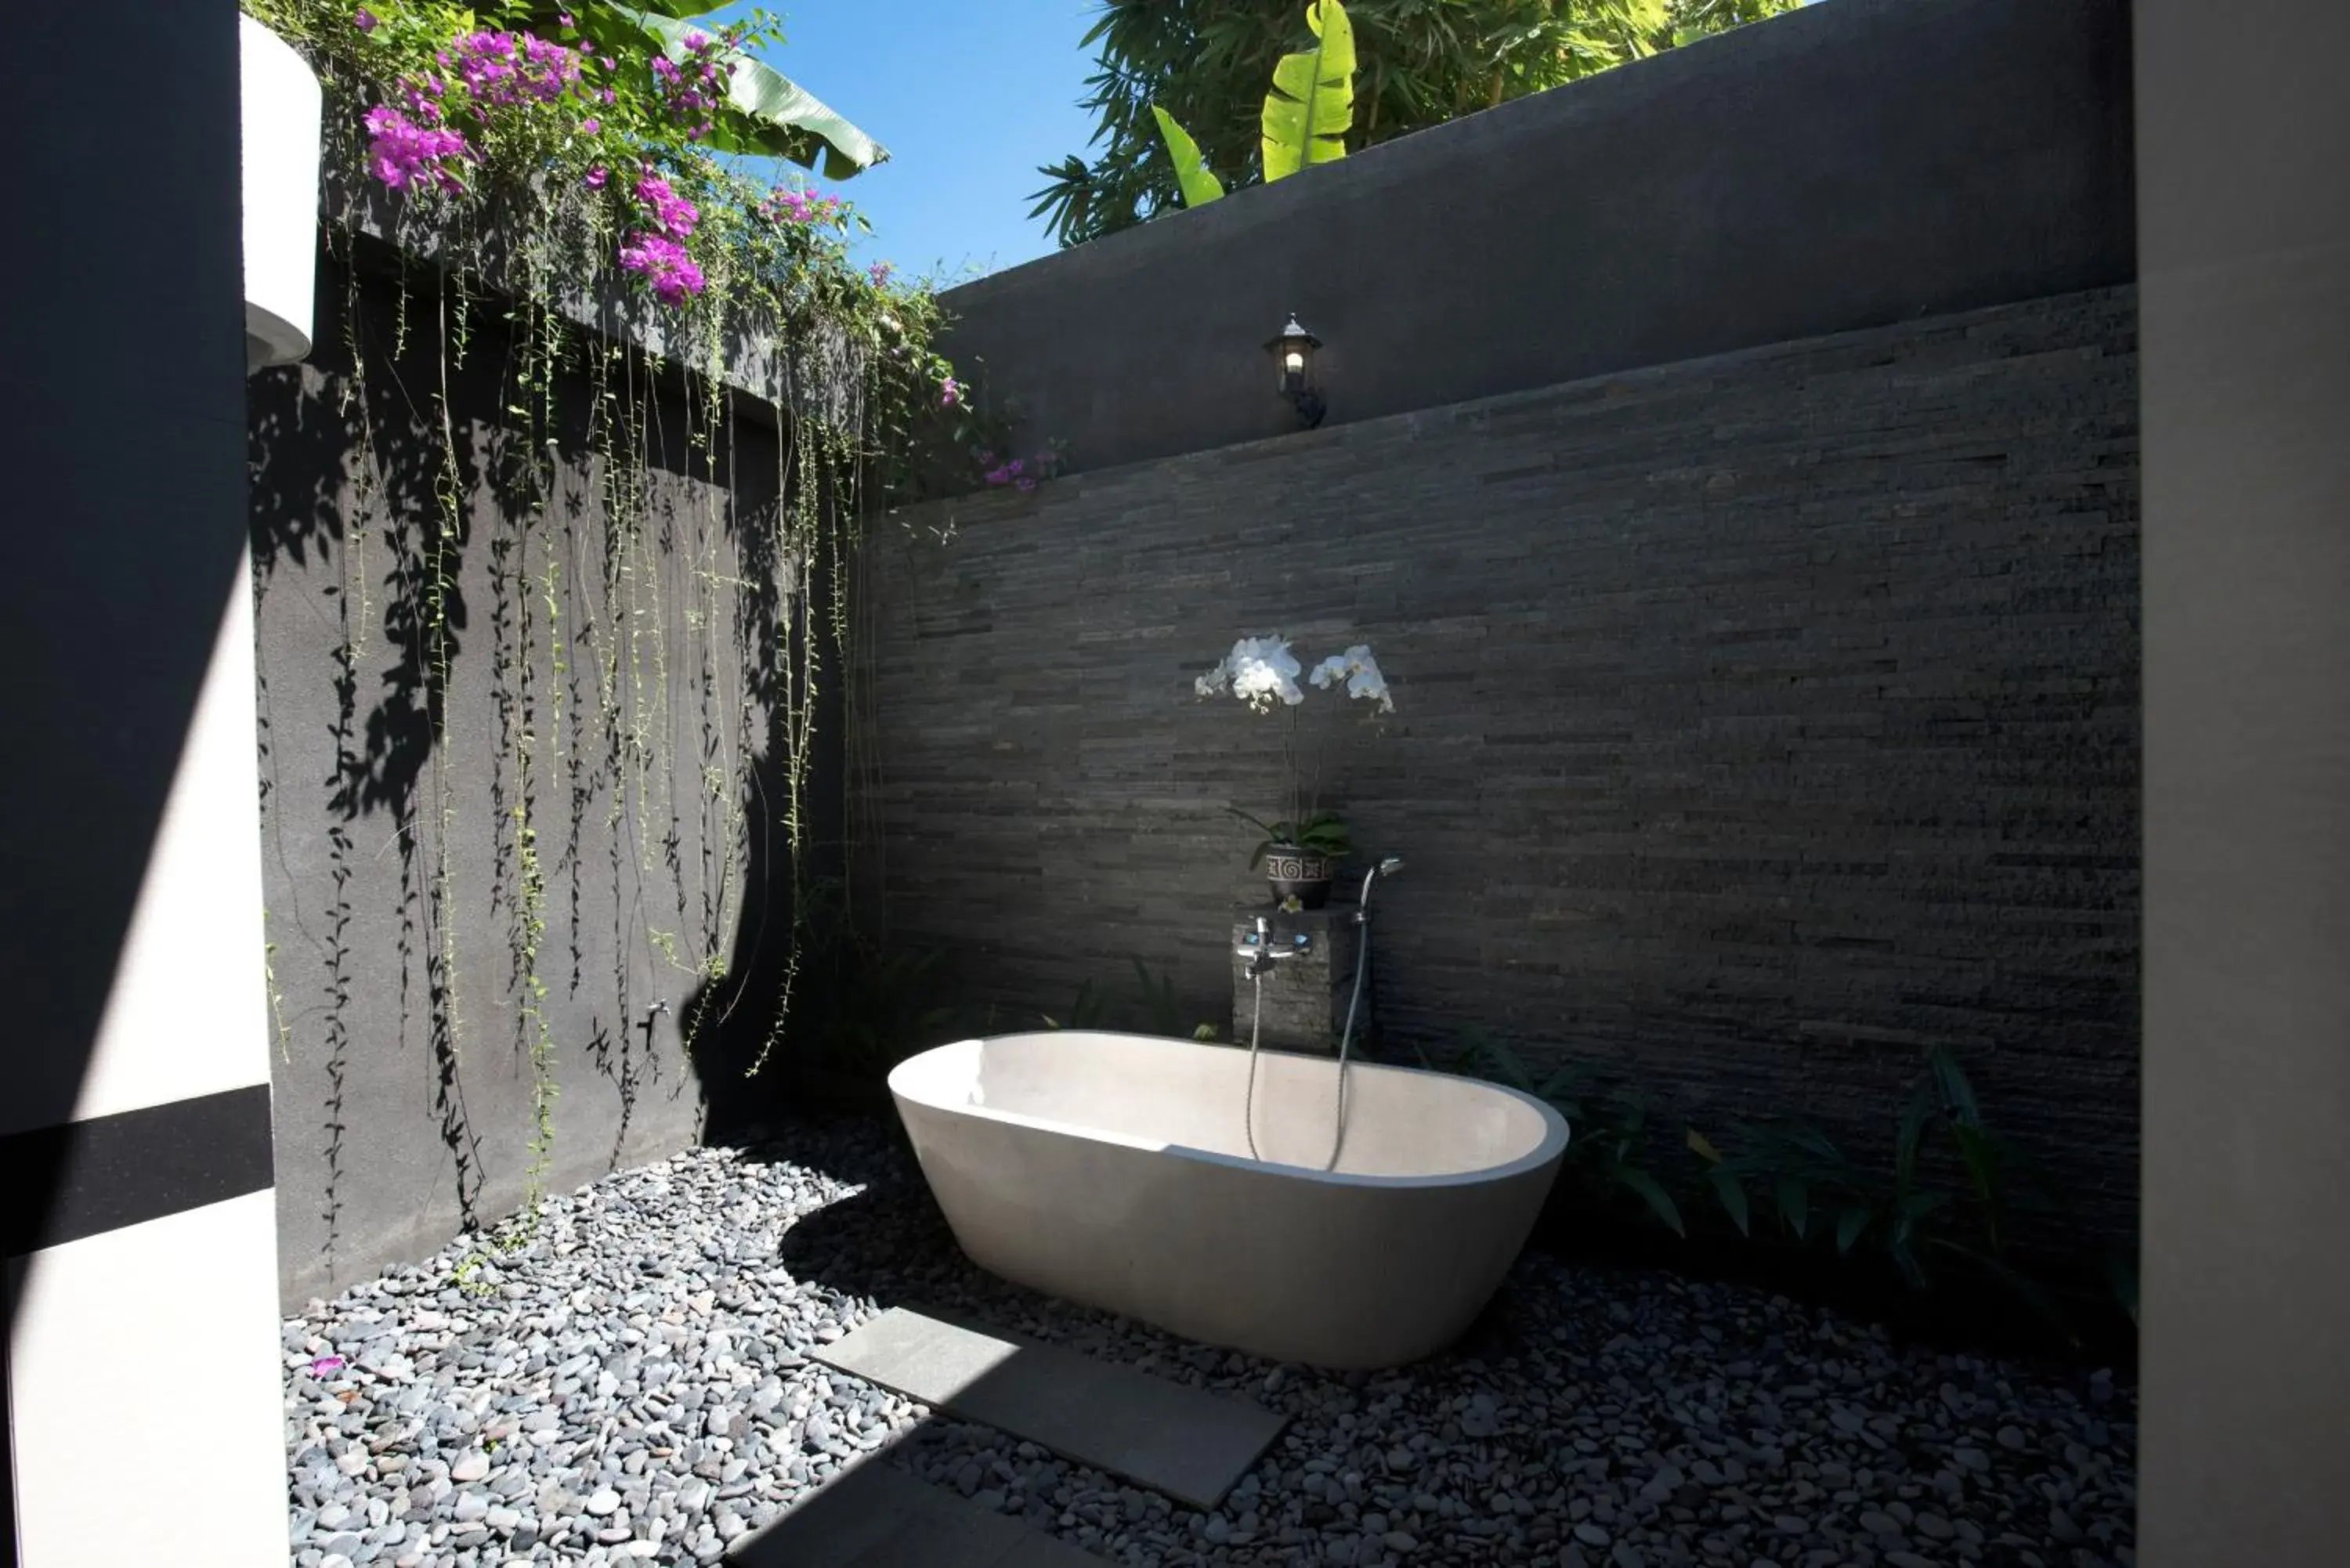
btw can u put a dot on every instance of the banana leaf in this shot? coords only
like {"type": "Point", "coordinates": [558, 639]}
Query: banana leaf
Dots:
{"type": "Point", "coordinates": [1199, 186]}
{"type": "Point", "coordinates": [773, 116]}
{"type": "Point", "coordinates": [1312, 104]}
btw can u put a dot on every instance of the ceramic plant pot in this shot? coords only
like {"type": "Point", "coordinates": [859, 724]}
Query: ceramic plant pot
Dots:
{"type": "Point", "coordinates": [1295, 874]}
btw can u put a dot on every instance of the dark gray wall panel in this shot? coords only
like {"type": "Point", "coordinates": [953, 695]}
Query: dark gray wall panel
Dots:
{"type": "Point", "coordinates": [1855, 164]}
{"type": "Point", "coordinates": [1764, 719]}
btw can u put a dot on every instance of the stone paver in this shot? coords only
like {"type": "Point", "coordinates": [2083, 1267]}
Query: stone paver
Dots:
{"type": "Point", "coordinates": [1190, 1445]}
{"type": "Point", "coordinates": [875, 1516]}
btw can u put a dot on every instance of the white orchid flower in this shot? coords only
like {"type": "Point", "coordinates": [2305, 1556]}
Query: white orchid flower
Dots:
{"type": "Point", "coordinates": [1361, 673]}
{"type": "Point", "coordinates": [1259, 671]}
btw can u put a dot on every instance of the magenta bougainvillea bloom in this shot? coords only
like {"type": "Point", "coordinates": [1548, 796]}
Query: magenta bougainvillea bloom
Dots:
{"type": "Point", "coordinates": [692, 89]}
{"type": "Point", "coordinates": [664, 264]}
{"type": "Point", "coordinates": [363, 19]}
{"type": "Point", "coordinates": [501, 69]}
{"type": "Point", "coordinates": [590, 126]}
{"type": "Point", "coordinates": [403, 153]}
{"type": "Point", "coordinates": [597, 176]}
{"type": "Point", "coordinates": [950, 392]}
{"type": "Point", "coordinates": [672, 214]}
{"type": "Point", "coordinates": [787, 205]}
{"type": "Point", "coordinates": [1019, 473]}
{"type": "Point", "coordinates": [880, 273]}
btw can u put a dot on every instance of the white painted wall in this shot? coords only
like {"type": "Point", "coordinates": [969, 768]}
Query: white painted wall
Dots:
{"type": "Point", "coordinates": [144, 1391]}
{"type": "Point", "coordinates": [144, 1387]}
{"type": "Point", "coordinates": [189, 1011]}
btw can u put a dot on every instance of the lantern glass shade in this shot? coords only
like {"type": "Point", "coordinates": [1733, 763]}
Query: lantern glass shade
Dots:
{"type": "Point", "coordinates": [1292, 353]}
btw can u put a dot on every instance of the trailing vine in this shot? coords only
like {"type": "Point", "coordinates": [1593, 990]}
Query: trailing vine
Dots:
{"type": "Point", "coordinates": [563, 190]}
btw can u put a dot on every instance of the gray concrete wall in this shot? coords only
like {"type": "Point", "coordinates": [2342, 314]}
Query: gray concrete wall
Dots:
{"type": "Point", "coordinates": [1855, 163]}
{"type": "Point", "coordinates": [2243, 139]}
{"type": "Point", "coordinates": [1763, 720]}
{"type": "Point", "coordinates": [404, 1087]}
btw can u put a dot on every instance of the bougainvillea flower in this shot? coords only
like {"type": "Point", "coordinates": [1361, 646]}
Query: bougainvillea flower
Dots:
{"type": "Point", "coordinates": [665, 264]}
{"type": "Point", "coordinates": [402, 153]}
{"type": "Point", "coordinates": [672, 214]}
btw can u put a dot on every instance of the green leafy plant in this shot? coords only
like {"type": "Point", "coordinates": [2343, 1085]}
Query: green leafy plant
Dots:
{"type": "Point", "coordinates": [1090, 1010]}
{"type": "Point", "coordinates": [1192, 176]}
{"type": "Point", "coordinates": [772, 115]}
{"type": "Point", "coordinates": [1148, 1005]}
{"type": "Point", "coordinates": [1417, 63]}
{"type": "Point", "coordinates": [1919, 1222]}
{"type": "Point", "coordinates": [1305, 115]}
{"type": "Point", "coordinates": [1311, 108]}
{"type": "Point", "coordinates": [1322, 832]}
{"type": "Point", "coordinates": [1606, 1130]}
{"type": "Point", "coordinates": [869, 1004]}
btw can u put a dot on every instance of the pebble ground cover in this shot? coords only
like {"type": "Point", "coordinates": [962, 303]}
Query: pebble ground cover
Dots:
{"type": "Point", "coordinates": [634, 1384]}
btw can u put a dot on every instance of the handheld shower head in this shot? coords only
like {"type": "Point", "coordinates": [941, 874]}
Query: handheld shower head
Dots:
{"type": "Point", "coordinates": [1390, 866]}
{"type": "Point", "coordinates": [1387, 866]}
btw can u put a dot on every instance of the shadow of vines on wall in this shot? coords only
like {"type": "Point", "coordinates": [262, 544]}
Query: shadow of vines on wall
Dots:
{"type": "Point", "coordinates": [543, 714]}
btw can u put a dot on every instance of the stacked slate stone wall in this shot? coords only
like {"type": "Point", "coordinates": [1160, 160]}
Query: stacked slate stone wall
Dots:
{"type": "Point", "coordinates": [1764, 721]}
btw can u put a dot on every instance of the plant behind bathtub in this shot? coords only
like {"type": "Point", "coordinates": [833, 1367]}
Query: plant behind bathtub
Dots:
{"type": "Point", "coordinates": [1300, 847]}
{"type": "Point", "coordinates": [1783, 1186]}
{"type": "Point", "coordinates": [1606, 1149]}
{"type": "Point", "coordinates": [1149, 1007]}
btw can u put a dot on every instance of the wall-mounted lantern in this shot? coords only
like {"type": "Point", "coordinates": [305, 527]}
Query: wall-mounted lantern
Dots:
{"type": "Point", "coordinates": [1292, 357]}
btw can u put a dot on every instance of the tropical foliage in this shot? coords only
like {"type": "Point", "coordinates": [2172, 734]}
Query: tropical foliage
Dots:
{"type": "Point", "coordinates": [1417, 63]}
{"type": "Point", "coordinates": [1928, 1216]}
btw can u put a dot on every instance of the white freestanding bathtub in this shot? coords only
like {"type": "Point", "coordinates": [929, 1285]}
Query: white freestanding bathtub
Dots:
{"type": "Point", "coordinates": [1112, 1169]}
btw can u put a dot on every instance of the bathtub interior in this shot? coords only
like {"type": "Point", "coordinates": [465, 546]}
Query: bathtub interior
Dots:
{"type": "Point", "coordinates": [1399, 1123]}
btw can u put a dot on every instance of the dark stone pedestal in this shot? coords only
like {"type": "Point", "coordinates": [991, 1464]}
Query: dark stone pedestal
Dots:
{"type": "Point", "coordinates": [1305, 996]}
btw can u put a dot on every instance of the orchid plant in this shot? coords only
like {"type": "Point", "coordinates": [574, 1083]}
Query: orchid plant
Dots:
{"type": "Point", "coordinates": [1264, 673]}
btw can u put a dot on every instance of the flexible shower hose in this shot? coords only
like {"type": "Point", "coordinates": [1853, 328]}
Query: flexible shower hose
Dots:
{"type": "Point", "coordinates": [1346, 1039]}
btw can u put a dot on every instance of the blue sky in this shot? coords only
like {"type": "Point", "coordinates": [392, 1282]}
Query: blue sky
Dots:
{"type": "Point", "coordinates": [969, 98]}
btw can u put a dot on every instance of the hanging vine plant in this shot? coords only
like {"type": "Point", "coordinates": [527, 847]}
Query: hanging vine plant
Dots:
{"type": "Point", "coordinates": [581, 174]}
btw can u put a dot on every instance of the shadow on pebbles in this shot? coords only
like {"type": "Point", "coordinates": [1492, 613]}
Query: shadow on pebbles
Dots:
{"type": "Point", "coordinates": [632, 1384]}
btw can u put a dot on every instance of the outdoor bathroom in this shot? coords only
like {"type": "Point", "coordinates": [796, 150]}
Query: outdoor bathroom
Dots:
{"type": "Point", "coordinates": [1457, 842]}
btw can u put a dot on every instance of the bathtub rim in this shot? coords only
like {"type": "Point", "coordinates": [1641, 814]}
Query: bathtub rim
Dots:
{"type": "Point", "coordinates": [1552, 1148]}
